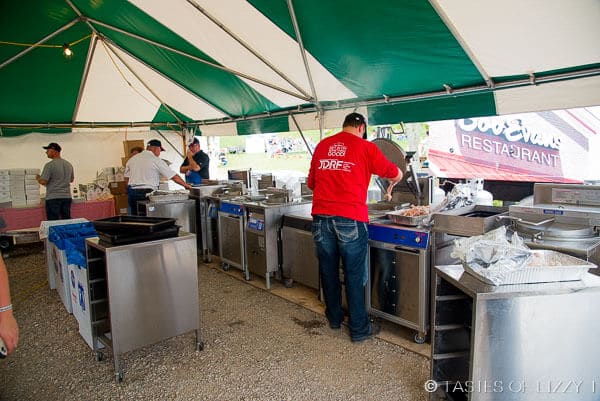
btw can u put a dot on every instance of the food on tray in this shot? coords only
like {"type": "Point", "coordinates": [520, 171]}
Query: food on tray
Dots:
{"type": "Point", "coordinates": [414, 211]}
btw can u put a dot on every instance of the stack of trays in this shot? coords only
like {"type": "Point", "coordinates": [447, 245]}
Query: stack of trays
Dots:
{"type": "Point", "coordinates": [120, 230]}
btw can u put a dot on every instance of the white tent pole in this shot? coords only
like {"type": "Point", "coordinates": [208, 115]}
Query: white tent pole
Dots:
{"type": "Point", "coordinates": [200, 60]}
{"type": "Point", "coordinates": [40, 42]}
{"type": "Point", "coordinates": [247, 46]}
{"type": "Point", "coordinates": [86, 71]}
{"type": "Point", "coordinates": [590, 72]}
{"type": "Point", "coordinates": [303, 52]}
{"type": "Point", "coordinates": [301, 134]}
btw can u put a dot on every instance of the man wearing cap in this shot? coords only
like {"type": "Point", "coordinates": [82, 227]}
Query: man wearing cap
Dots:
{"type": "Point", "coordinates": [195, 165]}
{"type": "Point", "coordinates": [339, 175]}
{"type": "Point", "coordinates": [57, 177]}
{"type": "Point", "coordinates": [143, 172]}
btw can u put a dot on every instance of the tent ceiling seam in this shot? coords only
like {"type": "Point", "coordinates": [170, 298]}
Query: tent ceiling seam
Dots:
{"type": "Point", "coordinates": [200, 98]}
{"type": "Point", "coordinates": [162, 102]}
{"type": "Point", "coordinates": [41, 41]}
{"type": "Point", "coordinates": [463, 44]}
{"type": "Point", "coordinates": [86, 71]}
{"type": "Point", "coordinates": [247, 47]}
{"type": "Point", "coordinates": [200, 60]}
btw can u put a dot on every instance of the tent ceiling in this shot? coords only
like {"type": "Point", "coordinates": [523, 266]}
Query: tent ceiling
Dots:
{"type": "Point", "coordinates": [249, 65]}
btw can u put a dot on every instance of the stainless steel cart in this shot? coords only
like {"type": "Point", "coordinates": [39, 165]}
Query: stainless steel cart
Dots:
{"type": "Point", "coordinates": [519, 342]}
{"type": "Point", "coordinates": [142, 293]}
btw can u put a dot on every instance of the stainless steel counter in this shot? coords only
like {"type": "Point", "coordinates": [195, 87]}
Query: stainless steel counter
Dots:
{"type": "Point", "coordinates": [514, 342]}
{"type": "Point", "coordinates": [152, 293]}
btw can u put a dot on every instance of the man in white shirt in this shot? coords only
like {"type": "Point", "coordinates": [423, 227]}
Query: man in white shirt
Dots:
{"type": "Point", "coordinates": [143, 172]}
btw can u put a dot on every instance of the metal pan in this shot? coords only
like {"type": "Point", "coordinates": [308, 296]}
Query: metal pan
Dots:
{"type": "Point", "coordinates": [398, 217]}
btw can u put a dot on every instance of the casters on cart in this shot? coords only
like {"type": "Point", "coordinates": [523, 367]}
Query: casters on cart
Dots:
{"type": "Point", "coordinates": [200, 346]}
{"type": "Point", "coordinates": [225, 266]}
{"type": "Point", "coordinates": [420, 338]}
{"type": "Point", "coordinates": [288, 282]}
{"type": "Point", "coordinates": [119, 376]}
{"type": "Point", "coordinates": [99, 355]}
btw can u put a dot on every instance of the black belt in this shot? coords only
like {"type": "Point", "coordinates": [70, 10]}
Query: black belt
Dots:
{"type": "Point", "coordinates": [140, 189]}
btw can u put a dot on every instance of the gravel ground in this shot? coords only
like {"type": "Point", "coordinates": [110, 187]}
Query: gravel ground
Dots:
{"type": "Point", "coordinates": [257, 347]}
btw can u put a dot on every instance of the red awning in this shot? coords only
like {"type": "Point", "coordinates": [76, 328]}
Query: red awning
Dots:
{"type": "Point", "coordinates": [448, 165]}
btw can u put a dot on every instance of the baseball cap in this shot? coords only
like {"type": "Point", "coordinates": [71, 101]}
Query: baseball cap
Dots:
{"type": "Point", "coordinates": [195, 141]}
{"type": "Point", "coordinates": [54, 146]}
{"type": "Point", "coordinates": [156, 142]}
{"type": "Point", "coordinates": [354, 120]}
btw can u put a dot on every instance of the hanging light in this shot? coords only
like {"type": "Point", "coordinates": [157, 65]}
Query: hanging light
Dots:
{"type": "Point", "coordinates": [67, 52]}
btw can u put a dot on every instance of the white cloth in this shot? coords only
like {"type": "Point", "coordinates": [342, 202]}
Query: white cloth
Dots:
{"type": "Point", "coordinates": [144, 170]}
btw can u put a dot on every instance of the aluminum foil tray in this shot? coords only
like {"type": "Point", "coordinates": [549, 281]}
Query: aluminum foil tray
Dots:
{"type": "Point", "coordinates": [168, 196]}
{"type": "Point", "coordinates": [398, 217]}
{"type": "Point", "coordinates": [543, 267]}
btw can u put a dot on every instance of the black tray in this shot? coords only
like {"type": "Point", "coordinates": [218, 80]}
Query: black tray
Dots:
{"type": "Point", "coordinates": [123, 238]}
{"type": "Point", "coordinates": [129, 224]}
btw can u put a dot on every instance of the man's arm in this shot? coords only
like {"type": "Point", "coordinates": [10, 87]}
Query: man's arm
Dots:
{"type": "Point", "coordinates": [192, 164]}
{"type": "Point", "coordinates": [180, 181]}
{"type": "Point", "coordinates": [41, 181]}
{"type": "Point", "coordinates": [393, 182]}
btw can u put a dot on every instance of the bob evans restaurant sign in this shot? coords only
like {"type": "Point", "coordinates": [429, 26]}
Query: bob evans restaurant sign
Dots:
{"type": "Point", "coordinates": [508, 143]}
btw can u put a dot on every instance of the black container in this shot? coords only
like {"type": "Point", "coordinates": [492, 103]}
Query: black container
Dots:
{"type": "Point", "coordinates": [123, 237]}
{"type": "Point", "coordinates": [133, 224]}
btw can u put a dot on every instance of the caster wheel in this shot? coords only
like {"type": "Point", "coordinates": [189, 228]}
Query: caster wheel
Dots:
{"type": "Point", "coordinates": [119, 377]}
{"type": "Point", "coordinates": [419, 338]}
{"type": "Point", "coordinates": [225, 266]}
{"type": "Point", "coordinates": [5, 243]}
{"type": "Point", "coordinates": [99, 356]}
{"type": "Point", "coordinates": [288, 282]}
{"type": "Point", "coordinates": [200, 346]}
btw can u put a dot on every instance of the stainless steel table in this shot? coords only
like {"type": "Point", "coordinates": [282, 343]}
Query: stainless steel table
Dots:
{"type": "Point", "coordinates": [514, 342]}
{"type": "Point", "coordinates": [142, 293]}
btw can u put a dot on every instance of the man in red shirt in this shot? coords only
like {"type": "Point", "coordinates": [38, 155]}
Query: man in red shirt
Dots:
{"type": "Point", "coordinates": [340, 172]}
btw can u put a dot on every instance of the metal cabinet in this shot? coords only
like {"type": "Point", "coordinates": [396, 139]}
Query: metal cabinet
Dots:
{"type": "Point", "coordinates": [515, 342]}
{"type": "Point", "coordinates": [142, 293]}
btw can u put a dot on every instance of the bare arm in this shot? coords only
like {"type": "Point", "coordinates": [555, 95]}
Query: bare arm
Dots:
{"type": "Point", "coordinates": [180, 181]}
{"type": "Point", "coordinates": [393, 182]}
{"type": "Point", "coordinates": [40, 180]}
{"type": "Point", "coordinates": [9, 330]}
{"type": "Point", "coordinates": [192, 166]}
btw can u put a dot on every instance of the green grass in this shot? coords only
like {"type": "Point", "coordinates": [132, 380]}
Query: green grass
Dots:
{"type": "Point", "coordinates": [261, 162]}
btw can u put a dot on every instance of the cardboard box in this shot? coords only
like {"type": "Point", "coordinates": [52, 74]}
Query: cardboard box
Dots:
{"type": "Point", "coordinates": [80, 300]}
{"type": "Point", "coordinates": [121, 205]}
{"type": "Point", "coordinates": [60, 269]}
{"type": "Point", "coordinates": [117, 187]}
{"type": "Point", "coordinates": [127, 145]}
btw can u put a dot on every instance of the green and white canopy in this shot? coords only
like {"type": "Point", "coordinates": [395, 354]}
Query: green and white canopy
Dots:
{"type": "Point", "coordinates": [241, 67]}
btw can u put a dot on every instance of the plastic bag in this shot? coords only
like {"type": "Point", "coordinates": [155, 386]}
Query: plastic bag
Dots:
{"type": "Point", "coordinates": [492, 256]}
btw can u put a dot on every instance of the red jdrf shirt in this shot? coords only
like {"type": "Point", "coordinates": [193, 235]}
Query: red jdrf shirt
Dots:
{"type": "Point", "coordinates": [340, 172]}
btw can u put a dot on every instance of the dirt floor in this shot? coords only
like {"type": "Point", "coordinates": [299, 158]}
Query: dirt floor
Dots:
{"type": "Point", "coordinates": [259, 345]}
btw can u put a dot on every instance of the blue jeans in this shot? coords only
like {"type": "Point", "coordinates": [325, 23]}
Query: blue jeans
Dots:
{"type": "Point", "coordinates": [58, 209]}
{"type": "Point", "coordinates": [339, 237]}
{"type": "Point", "coordinates": [135, 195]}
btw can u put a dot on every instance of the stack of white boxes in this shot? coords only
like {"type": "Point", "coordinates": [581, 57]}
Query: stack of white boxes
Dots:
{"type": "Point", "coordinates": [32, 187]}
{"type": "Point", "coordinates": [17, 187]}
{"type": "Point", "coordinates": [5, 200]}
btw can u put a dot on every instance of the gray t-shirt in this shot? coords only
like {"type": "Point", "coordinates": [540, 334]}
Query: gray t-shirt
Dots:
{"type": "Point", "coordinates": [59, 174]}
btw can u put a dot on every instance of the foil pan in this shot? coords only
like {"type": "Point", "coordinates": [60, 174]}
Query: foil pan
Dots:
{"type": "Point", "coordinates": [544, 266]}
